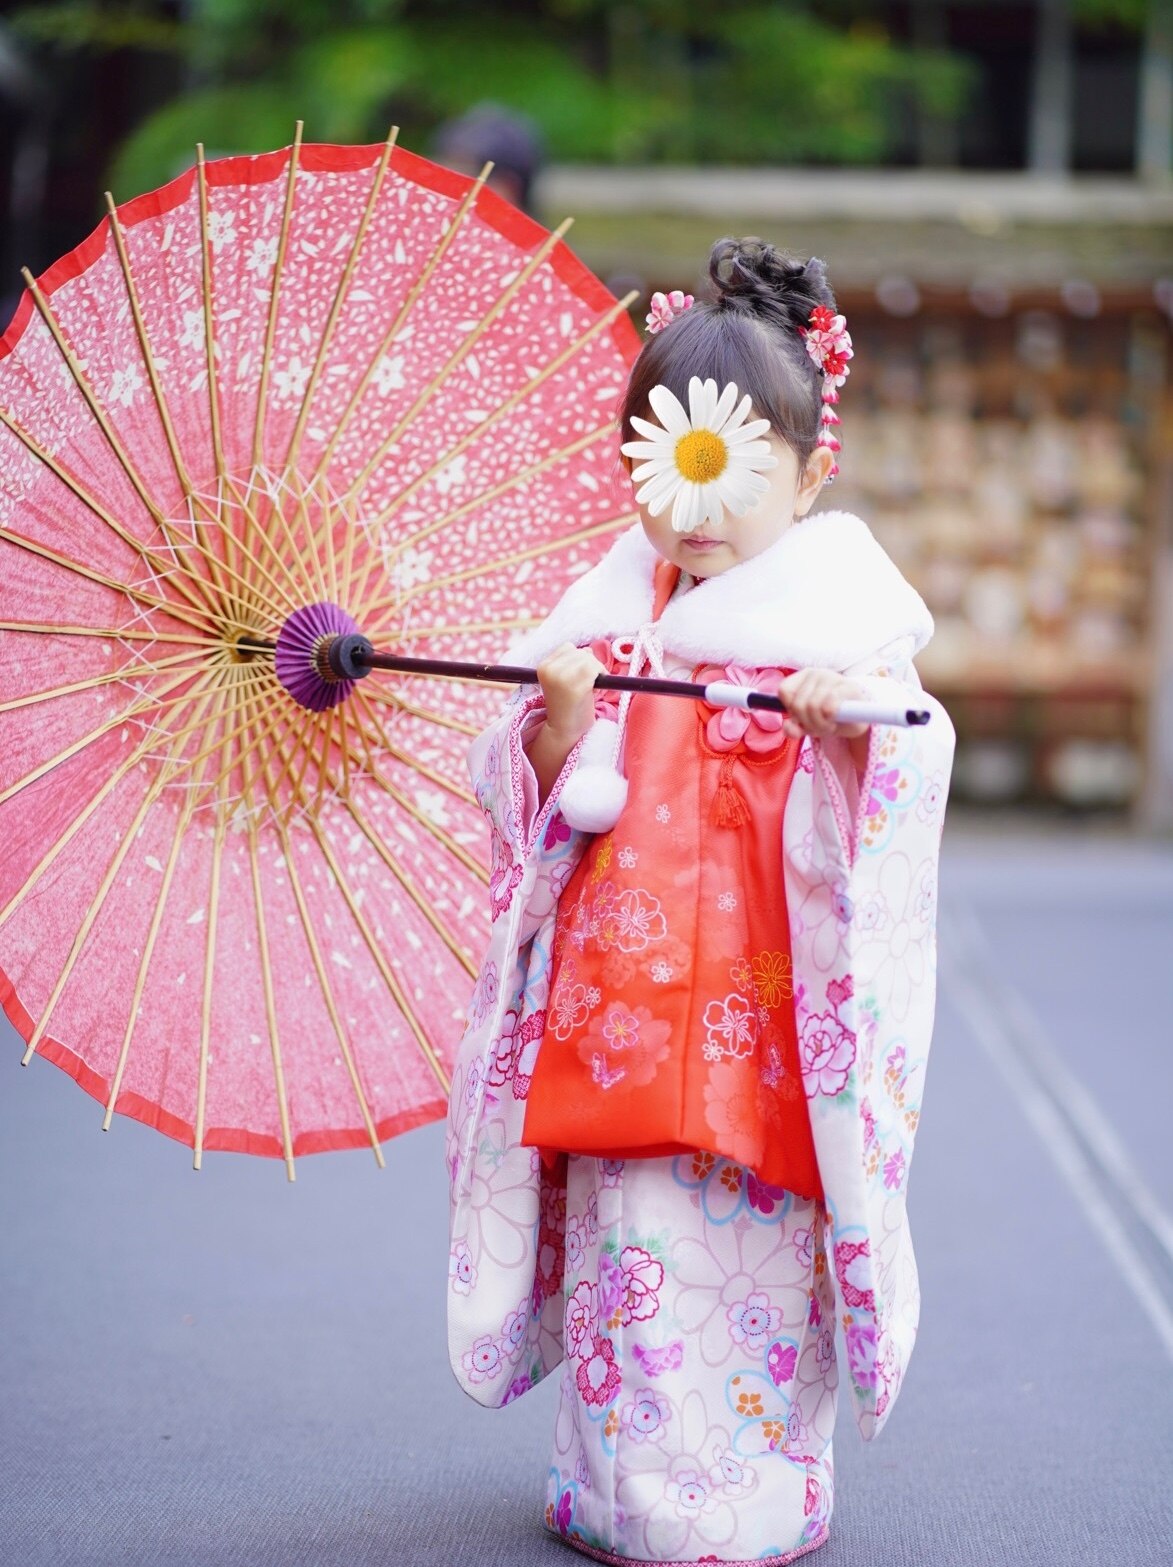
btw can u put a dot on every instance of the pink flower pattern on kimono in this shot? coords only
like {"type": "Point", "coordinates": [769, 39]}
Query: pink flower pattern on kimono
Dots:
{"type": "Point", "coordinates": [729, 1471]}
{"type": "Point", "coordinates": [642, 1278]}
{"type": "Point", "coordinates": [894, 1170]}
{"type": "Point", "coordinates": [752, 1321]}
{"type": "Point", "coordinates": [860, 1340]}
{"type": "Point", "coordinates": [853, 1270]}
{"type": "Point", "coordinates": [781, 1360]}
{"type": "Point", "coordinates": [582, 1316]}
{"type": "Point", "coordinates": [483, 1361]}
{"type": "Point", "coordinates": [598, 1375]}
{"type": "Point", "coordinates": [645, 1417]}
{"type": "Point", "coordinates": [827, 1051]}
{"type": "Point", "coordinates": [656, 1361]}
{"type": "Point", "coordinates": [691, 1493]}
{"type": "Point", "coordinates": [461, 1268]}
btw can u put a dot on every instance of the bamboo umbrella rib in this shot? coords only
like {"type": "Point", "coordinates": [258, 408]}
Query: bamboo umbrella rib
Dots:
{"type": "Point", "coordinates": [328, 997]}
{"type": "Point", "coordinates": [210, 956]}
{"type": "Point", "coordinates": [162, 567]}
{"type": "Point", "coordinates": [579, 536]}
{"type": "Point", "coordinates": [142, 706]}
{"type": "Point", "coordinates": [109, 678]}
{"type": "Point", "coordinates": [430, 773]}
{"type": "Point", "coordinates": [468, 628]}
{"type": "Point", "coordinates": [316, 957]}
{"type": "Point", "coordinates": [274, 294]}
{"type": "Point", "coordinates": [157, 389]}
{"type": "Point", "coordinates": [498, 413]}
{"type": "Point", "coordinates": [66, 838]}
{"type": "Point", "coordinates": [420, 898]}
{"type": "Point", "coordinates": [391, 699]}
{"type": "Point", "coordinates": [177, 841]}
{"type": "Point", "coordinates": [389, 979]}
{"type": "Point", "coordinates": [413, 294]}
{"type": "Point", "coordinates": [263, 536]}
{"type": "Point", "coordinates": [250, 556]}
{"type": "Point", "coordinates": [43, 628]}
{"type": "Point", "coordinates": [20, 542]}
{"type": "Point", "coordinates": [316, 553]}
{"type": "Point", "coordinates": [463, 348]}
{"type": "Point", "coordinates": [513, 482]}
{"type": "Point", "coordinates": [267, 978]}
{"type": "Point", "coordinates": [339, 298]}
{"type": "Point", "coordinates": [209, 325]}
{"type": "Point", "coordinates": [125, 844]}
{"type": "Point", "coordinates": [99, 413]}
{"type": "Point", "coordinates": [297, 573]}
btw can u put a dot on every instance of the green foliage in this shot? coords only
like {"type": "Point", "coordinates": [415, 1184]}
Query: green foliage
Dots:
{"type": "Point", "coordinates": [606, 80]}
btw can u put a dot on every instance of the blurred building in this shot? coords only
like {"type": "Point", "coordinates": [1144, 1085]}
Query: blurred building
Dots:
{"type": "Point", "coordinates": [1007, 431]}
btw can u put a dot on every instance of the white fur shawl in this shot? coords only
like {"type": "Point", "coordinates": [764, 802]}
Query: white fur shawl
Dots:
{"type": "Point", "coordinates": [824, 595]}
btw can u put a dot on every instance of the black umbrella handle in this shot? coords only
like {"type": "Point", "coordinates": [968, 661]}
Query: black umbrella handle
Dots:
{"type": "Point", "coordinates": [353, 657]}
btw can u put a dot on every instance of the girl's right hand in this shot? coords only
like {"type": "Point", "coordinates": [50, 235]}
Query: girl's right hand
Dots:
{"type": "Point", "coordinates": [567, 678]}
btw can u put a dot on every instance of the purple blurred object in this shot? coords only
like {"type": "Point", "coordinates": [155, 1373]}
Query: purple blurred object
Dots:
{"type": "Point", "coordinates": [297, 670]}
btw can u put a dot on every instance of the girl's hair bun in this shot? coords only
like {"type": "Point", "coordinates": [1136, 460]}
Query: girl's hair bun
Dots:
{"type": "Point", "coordinates": [750, 274]}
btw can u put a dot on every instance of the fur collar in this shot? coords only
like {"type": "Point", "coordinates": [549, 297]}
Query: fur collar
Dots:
{"type": "Point", "coordinates": [825, 594]}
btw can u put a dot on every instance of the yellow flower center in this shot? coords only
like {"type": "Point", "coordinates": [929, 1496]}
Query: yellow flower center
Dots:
{"type": "Point", "coordinates": [701, 456]}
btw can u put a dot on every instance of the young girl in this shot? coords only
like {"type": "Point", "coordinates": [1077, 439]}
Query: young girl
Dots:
{"type": "Point", "coordinates": [684, 1110]}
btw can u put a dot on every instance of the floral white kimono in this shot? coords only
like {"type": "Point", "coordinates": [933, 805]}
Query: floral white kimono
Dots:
{"type": "Point", "coordinates": [691, 1308]}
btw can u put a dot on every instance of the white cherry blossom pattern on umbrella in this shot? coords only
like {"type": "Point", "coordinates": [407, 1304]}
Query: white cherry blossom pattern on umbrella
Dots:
{"type": "Point", "coordinates": [703, 460]}
{"type": "Point", "coordinates": [324, 386]}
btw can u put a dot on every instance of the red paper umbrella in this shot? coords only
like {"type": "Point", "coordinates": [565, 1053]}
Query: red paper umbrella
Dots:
{"type": "Point", "coordinates": [327, 390]}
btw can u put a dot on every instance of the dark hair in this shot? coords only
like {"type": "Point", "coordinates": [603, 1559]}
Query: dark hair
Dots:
{"type": "Point", "coordinates": [748, 333]}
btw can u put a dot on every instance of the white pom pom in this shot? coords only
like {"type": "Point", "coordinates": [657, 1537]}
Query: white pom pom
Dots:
{"type": "Point", "coordinates": [594, 795]}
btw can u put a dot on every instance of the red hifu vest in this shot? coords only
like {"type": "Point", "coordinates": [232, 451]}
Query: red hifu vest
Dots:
{"type": "Point", "coordinates": [670, 1024]}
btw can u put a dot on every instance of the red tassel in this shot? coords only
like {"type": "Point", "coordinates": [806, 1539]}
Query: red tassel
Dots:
{"type": "Point", "coordinates": [729, 806]}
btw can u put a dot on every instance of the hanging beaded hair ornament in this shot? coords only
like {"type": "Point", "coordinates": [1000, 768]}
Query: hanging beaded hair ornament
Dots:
{"type": "Point", "coordinates": [828, 342]}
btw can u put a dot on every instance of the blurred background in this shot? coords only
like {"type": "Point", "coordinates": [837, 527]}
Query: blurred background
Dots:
{"type": "Point", "coordinates": [988, 182]}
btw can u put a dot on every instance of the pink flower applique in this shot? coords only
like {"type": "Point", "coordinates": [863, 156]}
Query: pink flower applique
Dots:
{"type": "Point", "coordinates": [730, 727]}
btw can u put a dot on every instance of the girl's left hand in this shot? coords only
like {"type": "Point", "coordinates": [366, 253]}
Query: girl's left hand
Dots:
{"type": "Point", "coordinates": [812, 697]}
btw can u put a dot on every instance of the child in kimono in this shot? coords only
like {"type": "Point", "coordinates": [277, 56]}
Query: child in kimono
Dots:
{"type": "Point", "coordinates": [684, 1109]}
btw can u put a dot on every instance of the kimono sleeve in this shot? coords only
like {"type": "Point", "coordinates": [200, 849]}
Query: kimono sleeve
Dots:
{"type": "Point", "coordinates": [861, 870]}
{"type": "Point", "coordinates": [507, 1209]}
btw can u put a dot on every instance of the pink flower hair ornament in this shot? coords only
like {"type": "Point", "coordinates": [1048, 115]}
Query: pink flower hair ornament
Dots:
{"type": "Point", "coordinates": [828, 342]}
{"type": "Point", "coordinates": [665, 309]}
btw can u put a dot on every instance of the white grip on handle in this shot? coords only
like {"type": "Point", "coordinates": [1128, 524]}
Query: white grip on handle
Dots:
{"type": "Point", "coordinates": [722, 693]}
{"type": "Point", "coordinates": [873, 713]}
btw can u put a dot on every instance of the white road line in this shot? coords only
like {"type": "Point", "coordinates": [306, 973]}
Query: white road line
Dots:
{"type": "Point", "coordinates": [1054, 1102]}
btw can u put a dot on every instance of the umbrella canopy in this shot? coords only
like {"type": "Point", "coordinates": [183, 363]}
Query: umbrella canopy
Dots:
{"type": "Point", "coordinates": [322, 390]}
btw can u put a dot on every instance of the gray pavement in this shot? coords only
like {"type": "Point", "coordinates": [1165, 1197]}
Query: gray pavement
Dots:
{"type": "Point", "coordinates": [222, 1369]}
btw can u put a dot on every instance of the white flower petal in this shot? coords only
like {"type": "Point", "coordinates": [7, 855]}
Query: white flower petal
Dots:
{"type": "Point", "coordinates": [714, 511]}
{"type": "Point", "coordinates": [646, 470]}
{"type": "Point", "coordinates": [702, 401]}
{"type": "Point", "coordinates": [668, 411]}
{"type": "Point", "coordinates": [658, 492]}
{"type": "Point", "coordinates": [748, 432]}
{"type": "Point", "coordinates": [652, 431]}
{"type": "Point", "coordinates": [688, 510]}
{"type": "Point", "coordinates": [724, 406]}
{"type": "Point", "coordinates": [662, 449]}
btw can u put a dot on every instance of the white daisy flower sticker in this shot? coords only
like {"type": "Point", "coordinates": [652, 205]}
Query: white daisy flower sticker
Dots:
{"type": "Point", "coordinates": [701, 461]}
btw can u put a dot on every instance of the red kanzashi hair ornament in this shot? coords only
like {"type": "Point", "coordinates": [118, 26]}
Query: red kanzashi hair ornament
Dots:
{"type": "Point", "coordinates": [828, 342]}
